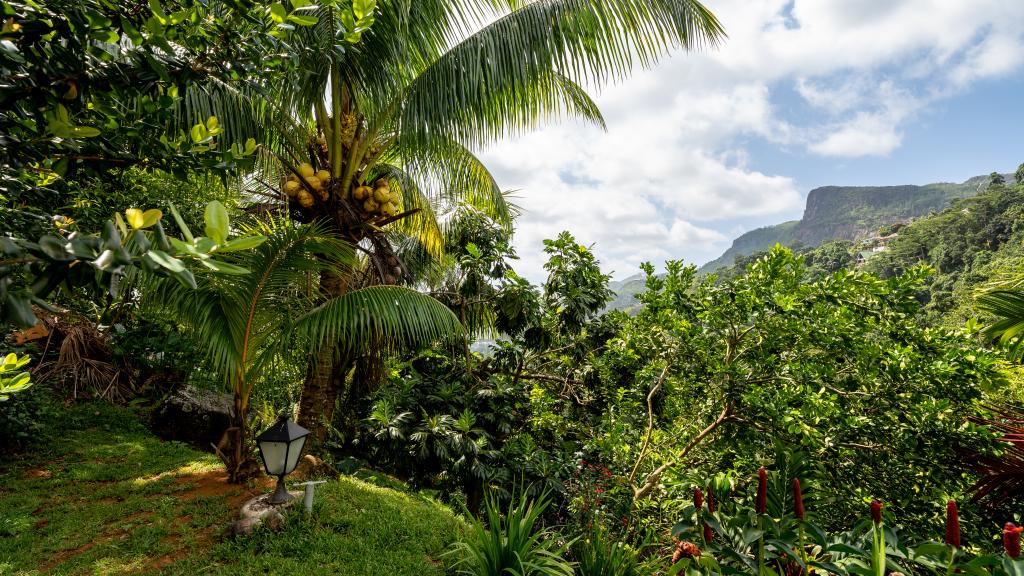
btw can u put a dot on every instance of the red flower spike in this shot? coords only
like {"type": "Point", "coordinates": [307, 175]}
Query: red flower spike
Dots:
{"type": "Point", "coordinates": [711, 499]}
{"type": "Point", "coordinates": [1011, 539]}
{"type": "Point", "coordinates": [952, 525]}
{"type": "Point", "coordinates": [762, 491]}
{"type": "Point", "coordinates": [798, 500]}
{"type": "Point", "coordinates": [876, 511]}
{"type": "Point", "coordinates": [698, 499]}
{"type": "Point", "coordinates": [708, 534]}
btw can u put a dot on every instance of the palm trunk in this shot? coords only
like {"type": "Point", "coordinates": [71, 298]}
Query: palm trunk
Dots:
{"type": "Point", "coordinates": [325, 375]}
{"type": "Point", "coordinates": [233, 448]}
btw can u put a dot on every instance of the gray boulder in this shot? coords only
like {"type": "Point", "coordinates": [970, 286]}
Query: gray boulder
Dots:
{"type": "Point", "coordinates": [198, 417]}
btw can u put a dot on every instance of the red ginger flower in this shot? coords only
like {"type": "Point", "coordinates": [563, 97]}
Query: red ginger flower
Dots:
{"type": "Point", "coordinates": [876, 511]}
{"type": "Point", "coordinates": [708, 534]}
{"type": "Point", "coordinates": [798, 500]}
{"type": "Point", "coordinates": [762, 491]}
{"type": "Point", "coordinates": [952, 525]}
{"type": "Point", "coordinates": [698, 499]}
{"type": "Point", "coordinates": [1011, 539]}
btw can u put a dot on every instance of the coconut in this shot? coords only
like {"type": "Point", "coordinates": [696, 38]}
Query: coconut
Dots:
{"type": "Point", "coordinates": [382, 195]}
{"type": "Point", "coordinates": [362, 192]}
{"type": "Point", "coordinates": [305, 198]}
{"type": "Point", "coordinates": [323, 175]}
{"type": "Point", "coordinates": [388, 209]}
{"type": "Point", "coordinates": [314, 182]}
{"type": "Point", "coordinates": [306, 170]}
{"type": "Point", "coordinates": [291, 187]}
{"type": "Point", "coordinates": [370, 205]}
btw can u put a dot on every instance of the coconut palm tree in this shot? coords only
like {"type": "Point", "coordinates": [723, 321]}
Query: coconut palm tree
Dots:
{"type": "Point", "coordinates": [246, 321]}
{"type": "Point", "coordinates": [374, 125]}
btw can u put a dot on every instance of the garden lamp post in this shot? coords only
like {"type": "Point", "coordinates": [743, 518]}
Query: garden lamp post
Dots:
{"type": "Point", "coordinates": [280, 447]}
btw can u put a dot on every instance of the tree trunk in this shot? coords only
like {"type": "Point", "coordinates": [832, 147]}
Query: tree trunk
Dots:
{"type": "Point", "coordinates": [325, 375]}
{"type": "Point", "coordinates": [233, 448]}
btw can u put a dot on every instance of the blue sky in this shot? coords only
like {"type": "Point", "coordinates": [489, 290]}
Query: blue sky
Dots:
{"type": "Point", "coordinates": [802, 94]}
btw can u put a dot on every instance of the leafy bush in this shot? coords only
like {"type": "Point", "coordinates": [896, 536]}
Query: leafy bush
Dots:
{"type": "Point", "coordinates": [513, 544]}
{"type": "Point", "coordinates": [24, 417]}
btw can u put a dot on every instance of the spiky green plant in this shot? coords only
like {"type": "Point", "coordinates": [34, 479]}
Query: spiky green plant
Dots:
{"type": "Point", "coordinates": [513, 543]}
{"type": "Point", "coordinates": [599, 555]}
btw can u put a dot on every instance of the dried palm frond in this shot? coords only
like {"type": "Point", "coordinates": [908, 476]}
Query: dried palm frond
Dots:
{"type": "Point", "coordinates": [84, 367]}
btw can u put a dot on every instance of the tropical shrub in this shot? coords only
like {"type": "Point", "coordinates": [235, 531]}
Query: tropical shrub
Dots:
{"type": "Point", "coordinates": [24, 408]}
{"type": "Point", "coordinates": [12, 380]}
{"type": "Point", "coordinates": [735, 537]}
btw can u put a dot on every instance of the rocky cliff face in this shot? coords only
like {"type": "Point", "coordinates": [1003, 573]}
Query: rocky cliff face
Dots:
{"type": "Point", "coordinates": [850, 213]}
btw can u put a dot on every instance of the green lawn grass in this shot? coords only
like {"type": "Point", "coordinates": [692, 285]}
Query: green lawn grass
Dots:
{"type": "Point", "coordinates": [103, 496]}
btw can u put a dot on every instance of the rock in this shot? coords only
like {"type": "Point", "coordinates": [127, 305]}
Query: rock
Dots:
{"type": "Point", "coordinates": [310, 467]}
{"type": "Point", "coordinates": [242, 527]}
{"type": "Point", "coordinates": [195, 416]}
{"type": "Point", "coordinates": [258, 511]}
{"type": "Point", "coordinates": [260, 506]}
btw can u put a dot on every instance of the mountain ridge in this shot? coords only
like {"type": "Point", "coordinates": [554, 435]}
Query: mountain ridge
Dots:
{"type": "Point", "coordinates": [849, 213]}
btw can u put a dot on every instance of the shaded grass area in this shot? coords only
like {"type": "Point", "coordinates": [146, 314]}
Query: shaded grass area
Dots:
{"type": "Point", "coordinates": [104, 496]}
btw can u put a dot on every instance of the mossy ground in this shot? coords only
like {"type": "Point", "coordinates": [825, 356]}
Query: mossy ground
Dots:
{"type": "Point", "coordinates": [103, 496]}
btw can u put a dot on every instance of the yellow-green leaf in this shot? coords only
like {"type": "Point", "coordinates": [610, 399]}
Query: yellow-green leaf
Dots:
{"type": "Point", "coordinates": [135, 218]}
{"type": "Point", "coordinates": [151, 217]}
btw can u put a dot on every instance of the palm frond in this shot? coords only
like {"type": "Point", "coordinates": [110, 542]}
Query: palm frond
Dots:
{"type": "Point", "coordinates": [507, 77]}
{"type": "Point", "coordinates": [379, 315]}
{"type": "Point", "coordinates": [453, 175]}
{"type": "Point", "coordinates": [1008, 306]}
{"type": "Point", "coordinates": [422, 226]}
{"type": "Point", "coordinates": [241, 320]}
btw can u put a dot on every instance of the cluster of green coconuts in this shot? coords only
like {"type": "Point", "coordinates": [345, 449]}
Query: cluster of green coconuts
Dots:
{"type": "Point", "coordinates": [316, 180]}
{"type": "Point", "coordinates": [377, 200]}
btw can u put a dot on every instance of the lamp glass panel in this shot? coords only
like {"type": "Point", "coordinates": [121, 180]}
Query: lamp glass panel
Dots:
{"type": "Point", "coordinates": [293, 454]}
{"type": "Point", "coordinates": [274, 454]}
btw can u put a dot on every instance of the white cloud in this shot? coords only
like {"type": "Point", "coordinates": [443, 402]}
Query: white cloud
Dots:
{"type": "Point", "coordinates": [674, 167]}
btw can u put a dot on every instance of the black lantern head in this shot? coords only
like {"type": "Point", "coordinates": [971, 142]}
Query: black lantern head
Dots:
{"type": "Point", "coordinates": [281, 445]}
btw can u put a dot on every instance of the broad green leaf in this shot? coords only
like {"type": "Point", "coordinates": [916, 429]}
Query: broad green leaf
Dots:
{"type": "Point", "coordinates": [362, 8]}
{"type": "Point", "coordinates": [54, 247]}
{"type": "Point", "coordinates": [303, 20]}
{"type": "Point", "coordinates": [278, 13]}
{"type": "Point", "coordinates": [199, 134]}
{"type": "Point", "coordinates": [84, 132]}
{"type": "Point", "coordinates": [224, 267]}
{"type": "Point", "coordinates": [186, 247]}
{"type": "Point", "coordinates": [217, 223]}
{"type": "Point", "coordinates": [204, 245]}
{"type": "Point", "coordinates": [105, 260]}
{"type": "Point", "coordinates": [59, 128]}
{"type": "Point", "coordinates": [186, 278]}
{"type": "Point", "coordinates": [164, 260]}
{"type": "Point", "coordinates": [244, 243]}
{"type": "Point", "coordinates": [18, 310]}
